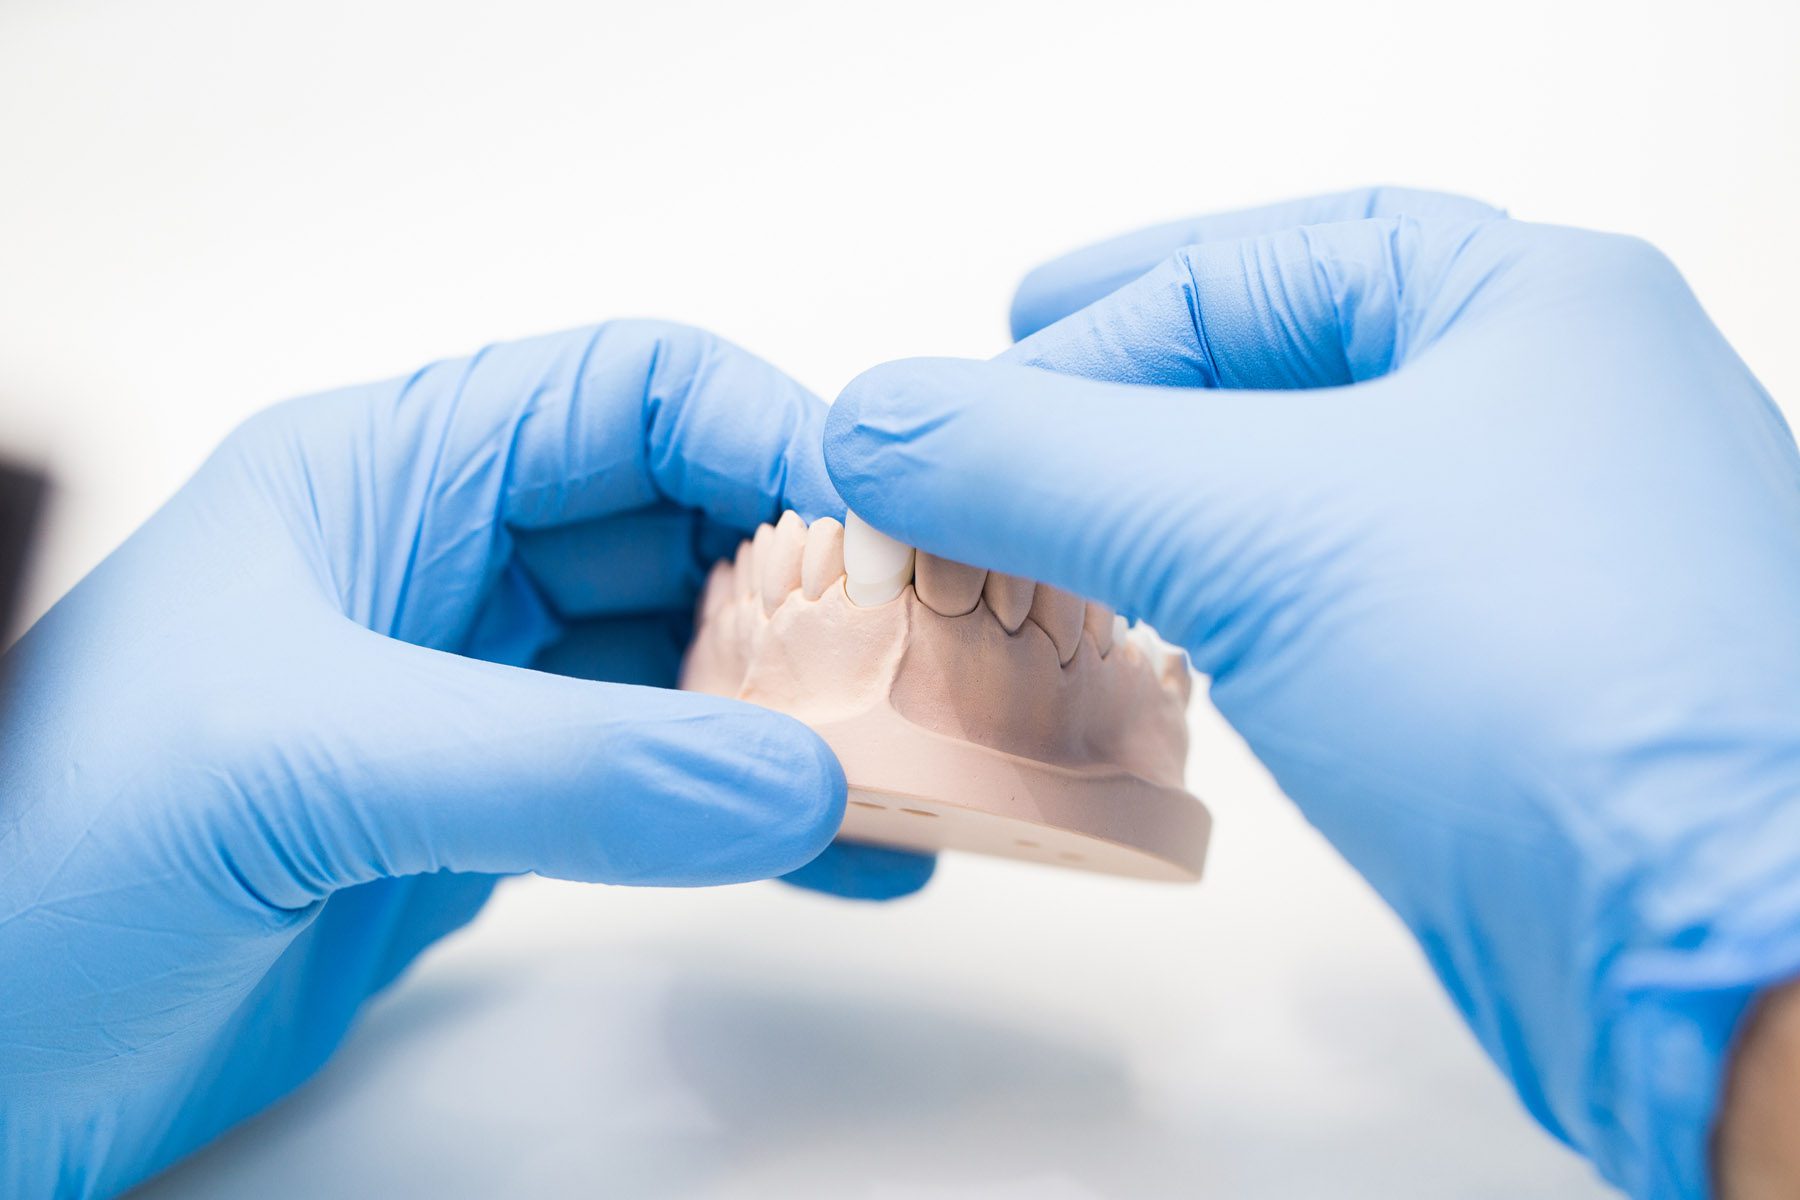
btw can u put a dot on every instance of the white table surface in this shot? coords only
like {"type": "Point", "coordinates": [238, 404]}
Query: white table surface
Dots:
{"type": "Point", "coordinates": [207, 206]}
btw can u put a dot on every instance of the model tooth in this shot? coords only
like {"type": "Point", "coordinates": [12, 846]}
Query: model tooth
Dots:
{"type": "Point", "coordinates": [1097, 627]}
{"type": "Point", "coordinates": [718, 587]}
{"type": "Point", "coordinates": [1121, 632]}
{"type": "Point", "coordinates": [1164, 659]}
{"type": "Point", "coordinates": [1172, 663]}
{"type": "Point", "coordinates": [1059, 614]}
{"type": "Point", "coordinates": [947, 587]}
{"type": "Point", "coordinates": [1009, 597]}
{"type": "Point", "coordinates": [822, 559]}
{"type": "Point", "coordinates": [1176, 674]}
{"type": "Point", "coordinates": [779, 564]}
{"type": "Point", "coordinates": [876, 567]}
{"type": "Point", "coordinates": [743, 568]}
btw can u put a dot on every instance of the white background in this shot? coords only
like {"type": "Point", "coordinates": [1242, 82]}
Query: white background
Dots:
{"type": "Point", "coordinates": [205, 207]}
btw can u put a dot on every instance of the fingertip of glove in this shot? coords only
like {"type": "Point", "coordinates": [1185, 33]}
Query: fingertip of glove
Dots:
{"type": "Point", "coordinates": [798, 787]}
{"type": "Point", "coordinates": [885, 410]}
{"type": "Point", "coordinates": [855, 871]}
{"type": "Point", "coordinates": [728, 793]}
{"type": "Point", "coordinates": [866, 419]}
{"type": "Point", "coordinates": [1023, 319]}
{"type": "Point", "coordinates": [1394, 200]}
{"type": "Point", "coordinates": [1042, 299]}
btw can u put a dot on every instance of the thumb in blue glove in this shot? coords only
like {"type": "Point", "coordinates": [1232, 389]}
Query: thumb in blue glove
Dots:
{"type": "Point", "coordinates": [283, 738]}
{"type": "Point", "coordinates": [1491, 548]}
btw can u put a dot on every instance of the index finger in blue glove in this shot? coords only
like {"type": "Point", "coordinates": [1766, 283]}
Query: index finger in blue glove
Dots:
{"type": "Point", "coordinates": [912, 446]}
{"type": "Point", "coordinates": [657, 426]}
{"type": "Point", "coordinates": [1064, 285]}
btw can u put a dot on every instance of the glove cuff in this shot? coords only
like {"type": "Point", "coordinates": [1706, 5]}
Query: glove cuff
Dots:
{"type": "Point", "coordinates": [1661, 1060]}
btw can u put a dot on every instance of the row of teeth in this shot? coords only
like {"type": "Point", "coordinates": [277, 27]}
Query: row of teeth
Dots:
{"type": "Point", "coordinates": [793, 556]}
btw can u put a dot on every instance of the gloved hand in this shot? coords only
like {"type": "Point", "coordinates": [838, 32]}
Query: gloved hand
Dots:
{"type": "Point", "coordinates": [252, 765]}
{"type": "Point", "coordinates": [1491, 547]}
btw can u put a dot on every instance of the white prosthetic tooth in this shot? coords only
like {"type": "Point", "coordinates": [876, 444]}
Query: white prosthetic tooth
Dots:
{"type": "Point", "coordinates": [1009, 597]}
{"type": "Point", "coordinates": [1097, 626]}
{"type": "Point", "coordinates": [779, 563]}
{"type": "Point", "coordinates": [947, 587]}
{"type": "Point", "coordinates": [1059, 614]}
{"type": "Point", "coordinates": [876, 567]}
{"type": "Point", "coordinates": [822, 560]}
{"type": "Point", "coordinates": [1121, 631]}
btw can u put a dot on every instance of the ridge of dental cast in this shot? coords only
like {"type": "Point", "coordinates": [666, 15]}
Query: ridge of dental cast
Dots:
{"type": "Point", "coordinates": [792, 555]}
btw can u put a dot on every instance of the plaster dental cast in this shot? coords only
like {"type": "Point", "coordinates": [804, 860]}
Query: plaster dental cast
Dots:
{"type": "Point", "coordinates": [970, 710]}
{"type": "Point", "coordinates": [1486, 541]}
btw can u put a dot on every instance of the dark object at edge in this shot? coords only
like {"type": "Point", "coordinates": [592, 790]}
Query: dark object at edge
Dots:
{"type": "Point", "coordinates": [21, 501]}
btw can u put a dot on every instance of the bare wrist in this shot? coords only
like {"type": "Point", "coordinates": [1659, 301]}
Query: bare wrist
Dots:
{"type": "Point", "coordinates": [1756, 1142]}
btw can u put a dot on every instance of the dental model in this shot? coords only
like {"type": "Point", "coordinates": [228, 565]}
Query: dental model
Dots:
{"type": "Point", "coordinates": [971, 710]}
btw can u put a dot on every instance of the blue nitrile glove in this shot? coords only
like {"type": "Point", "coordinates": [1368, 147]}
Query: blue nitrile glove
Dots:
{"type": "Point", "coordinates": [246, 763]}
{"type": "Point", "coordinates": [1508, 598]}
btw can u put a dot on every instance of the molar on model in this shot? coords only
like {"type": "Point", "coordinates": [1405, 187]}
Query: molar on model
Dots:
{"type": "Point", "coordinates": [958, 728]}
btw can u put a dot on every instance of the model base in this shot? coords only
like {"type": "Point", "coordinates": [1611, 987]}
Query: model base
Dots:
{"type": "Point", "coordinates": [940, 793]}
